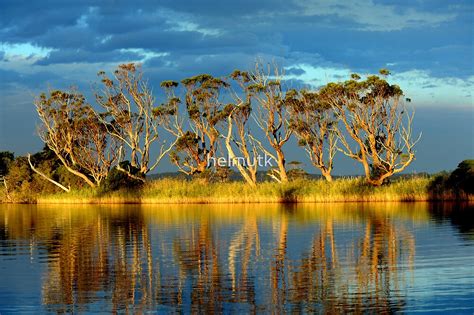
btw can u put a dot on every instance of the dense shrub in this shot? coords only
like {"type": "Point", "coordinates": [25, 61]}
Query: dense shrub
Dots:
{"type": "Point", "coordinates": [118, 179]}
{"type": "Point", "coordinates": [459, 183]}
{"type": "Point", "coordinates": [462, 178]}
{"type": "Point", "coordinates": [6, 158]}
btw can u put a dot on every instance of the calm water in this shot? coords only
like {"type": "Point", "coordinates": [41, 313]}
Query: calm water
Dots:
{"type": "Point", "coordinates": [266, 258]}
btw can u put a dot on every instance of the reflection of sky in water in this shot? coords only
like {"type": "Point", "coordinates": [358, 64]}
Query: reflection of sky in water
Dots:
{"type": "Point", "coordinates": [444, 269]}
{"type": "Point", "coordinates": [442, 278]}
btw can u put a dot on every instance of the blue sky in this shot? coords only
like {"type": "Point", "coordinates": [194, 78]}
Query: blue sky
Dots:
{"type": "Point", "coordinates": [428, 46]}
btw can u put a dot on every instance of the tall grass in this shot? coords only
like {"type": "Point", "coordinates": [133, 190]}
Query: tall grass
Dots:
{"type": "Point", "coordinates": [197, 191]}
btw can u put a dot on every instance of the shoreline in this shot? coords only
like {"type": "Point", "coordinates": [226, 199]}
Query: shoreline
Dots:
{"type": "Point", "coordinates": [240, 203]}
{"type": "Point", "coordinates": [174, 191]}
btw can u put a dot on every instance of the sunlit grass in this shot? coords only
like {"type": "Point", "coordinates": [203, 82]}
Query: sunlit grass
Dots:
{"type": "Point", "coordinates": [198, 191]}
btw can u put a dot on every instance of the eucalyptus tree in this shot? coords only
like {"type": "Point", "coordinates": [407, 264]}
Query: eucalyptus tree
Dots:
{"type": "Point", "coordinates": [237, 137]}
{"type": "Point", "coordinates": [314, 125]}
{"type": "Point", "coordinates": [205, 111]}
{"type": "Point", "coordinates": [130, 118]}
{"type": "Point", "coordinates": [70, 128]}
{"type": "Point", "coordinates": [271, 114]}
{"type": "Point", "coordinates": [377, 126]}
{"type": "Point", "coordinates": [168, 113]}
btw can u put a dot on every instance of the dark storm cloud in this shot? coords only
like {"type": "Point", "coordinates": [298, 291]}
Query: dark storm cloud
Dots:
{"type": "Point", "coordinates": [177, 39]}
{"type": "Point", "coordinates": [169, 40]}
{"type": "Point", "coordinates": [10, 78]}
{"type": "Point", "coordinates": [24, 20]}
{"type": "Point", "coordinates": [102, 29]}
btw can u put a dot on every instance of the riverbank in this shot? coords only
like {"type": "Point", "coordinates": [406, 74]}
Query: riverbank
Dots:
{"type": "Point", "coordinates": [174, 191]}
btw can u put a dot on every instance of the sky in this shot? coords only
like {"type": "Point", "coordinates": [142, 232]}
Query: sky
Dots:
{"type": "Point", "coordinates": [427, 45]}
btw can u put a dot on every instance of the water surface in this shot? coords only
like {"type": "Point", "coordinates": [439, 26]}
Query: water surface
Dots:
{"type": "Point", "coordinates": [409, 257]}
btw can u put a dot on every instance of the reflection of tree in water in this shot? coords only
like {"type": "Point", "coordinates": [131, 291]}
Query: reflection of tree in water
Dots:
{"type": "Point", "coordinates": [201, 263]}
{"type": "Point", "coordinates": [367, 279]}
{"type": "Point", "coordinates": [198, 261]}
{"type": "Point", "coordinates": [242, 244]}
{"type": "Point", "coordinates": [460, 215]}
{"type": "Point", "coordinates": [109, 258]}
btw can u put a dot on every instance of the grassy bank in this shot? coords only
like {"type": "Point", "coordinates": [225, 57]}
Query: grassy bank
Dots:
{"type": "Point", "coordinates": [180, 191]}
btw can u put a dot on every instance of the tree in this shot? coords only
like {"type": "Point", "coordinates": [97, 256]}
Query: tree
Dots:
{"type": "Point", "coordinates": [46, 177]}
{"type": "Point", "coordinates": [96, 150]}
{"type": "Point", "coordinates": [19, 180]}
{"type": "Point", "coordinates": [271, 114]}
{"type": "Point", "coordinates": [130, 117]}
{"type": "Point", "coordinates": [6, 158]}
{"type": "Point", "coordinates": [295, 171]}
{"type": "Point", "coordinates": [24, 182]}
{"type": "Point", "coordinates": [314, 125]}
{"type": "Point", "coordinates": [168, 113]}
{"type": "Point", "coordinates": [462, 178]}
{"type": "Point", "coordinates": [373, 115]}
{"type": "Point", "coordinates": [205, 110]}
{"type": "Point", "coordinates": [70, 128]}
{"type": "Point", "coordinates": [239, 137]}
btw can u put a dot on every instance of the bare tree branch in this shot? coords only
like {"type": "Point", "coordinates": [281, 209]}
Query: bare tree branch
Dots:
{"type": "Point", "coordinates": [66, 189]}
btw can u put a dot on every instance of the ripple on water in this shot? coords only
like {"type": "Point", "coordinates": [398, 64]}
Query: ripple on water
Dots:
{"type": "Point", "coordinates": [314, 258]}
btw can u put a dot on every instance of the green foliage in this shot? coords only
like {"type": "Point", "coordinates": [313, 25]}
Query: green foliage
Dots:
{"type": "Point", "coordinates": [355, 76]}
{"type": "Point", "coordinates": [206, 81]}
{"type": "Point", "coordinates": [242, 76]}
{"type": "Point", "coordinates": [19, 173]}
{"type": "Point", "coordinates": [312, 121]}
{"type": "Point", "coordinates": [221, 174]}
{"type": "Point", "coordinates": [169, 84]}
{"type": "Point", "coordinates": [202, 99]}
{"type": "Point", "coordinates": [462, 177]}
{"type": "Point", "coordinates": [70, 128]}
{"type": "Point", "coordinates": [374, 121]}
{"type": "Point", "coordinates": [218, 174]}
{"type": "Point", "coordinates": [256, 88]}
{"type": "Point", "coordinates": [23, 184]}
{"type": "Point", "coordinates": [439, 185]}
{"type": "Point", "coordinates": [170, 108]}
{"type": "Point", "coordinates": [187, 141]}
{"type": "Point", "coordinates": [384, 72]}
{"type": "Point", "coordinates": [206, 112]}
{"type": "Point", "coordinates": [118, 179]}
{"type": "Point", "coordinates": [6, 158]}
{"type": "Point", "coordinates": [364, 91]}
{"type": "Point", "coordinates": [297, 174]}
{"type": "Point", "coordinates": [459, 183]}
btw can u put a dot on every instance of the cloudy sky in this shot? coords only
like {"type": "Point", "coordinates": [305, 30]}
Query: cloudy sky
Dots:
{"type": "Point", "coordinates": [428, 46]}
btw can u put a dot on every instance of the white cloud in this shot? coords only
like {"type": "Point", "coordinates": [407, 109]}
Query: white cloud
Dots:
{"type": "Point", "coordinates": [424, 89]}
{"type": "Point", "coordinates": [321, 75]}
{"type": "Point", "coordinates": [419, 85]}
{"type": "Point", "coordinates": [186, 26]}
{"type": "Point", "coordinates": [183, 22]}
{"type": "Point", "coordinates": [144, 53]}
{"type": "Point", "coordinates": [24, 51]}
